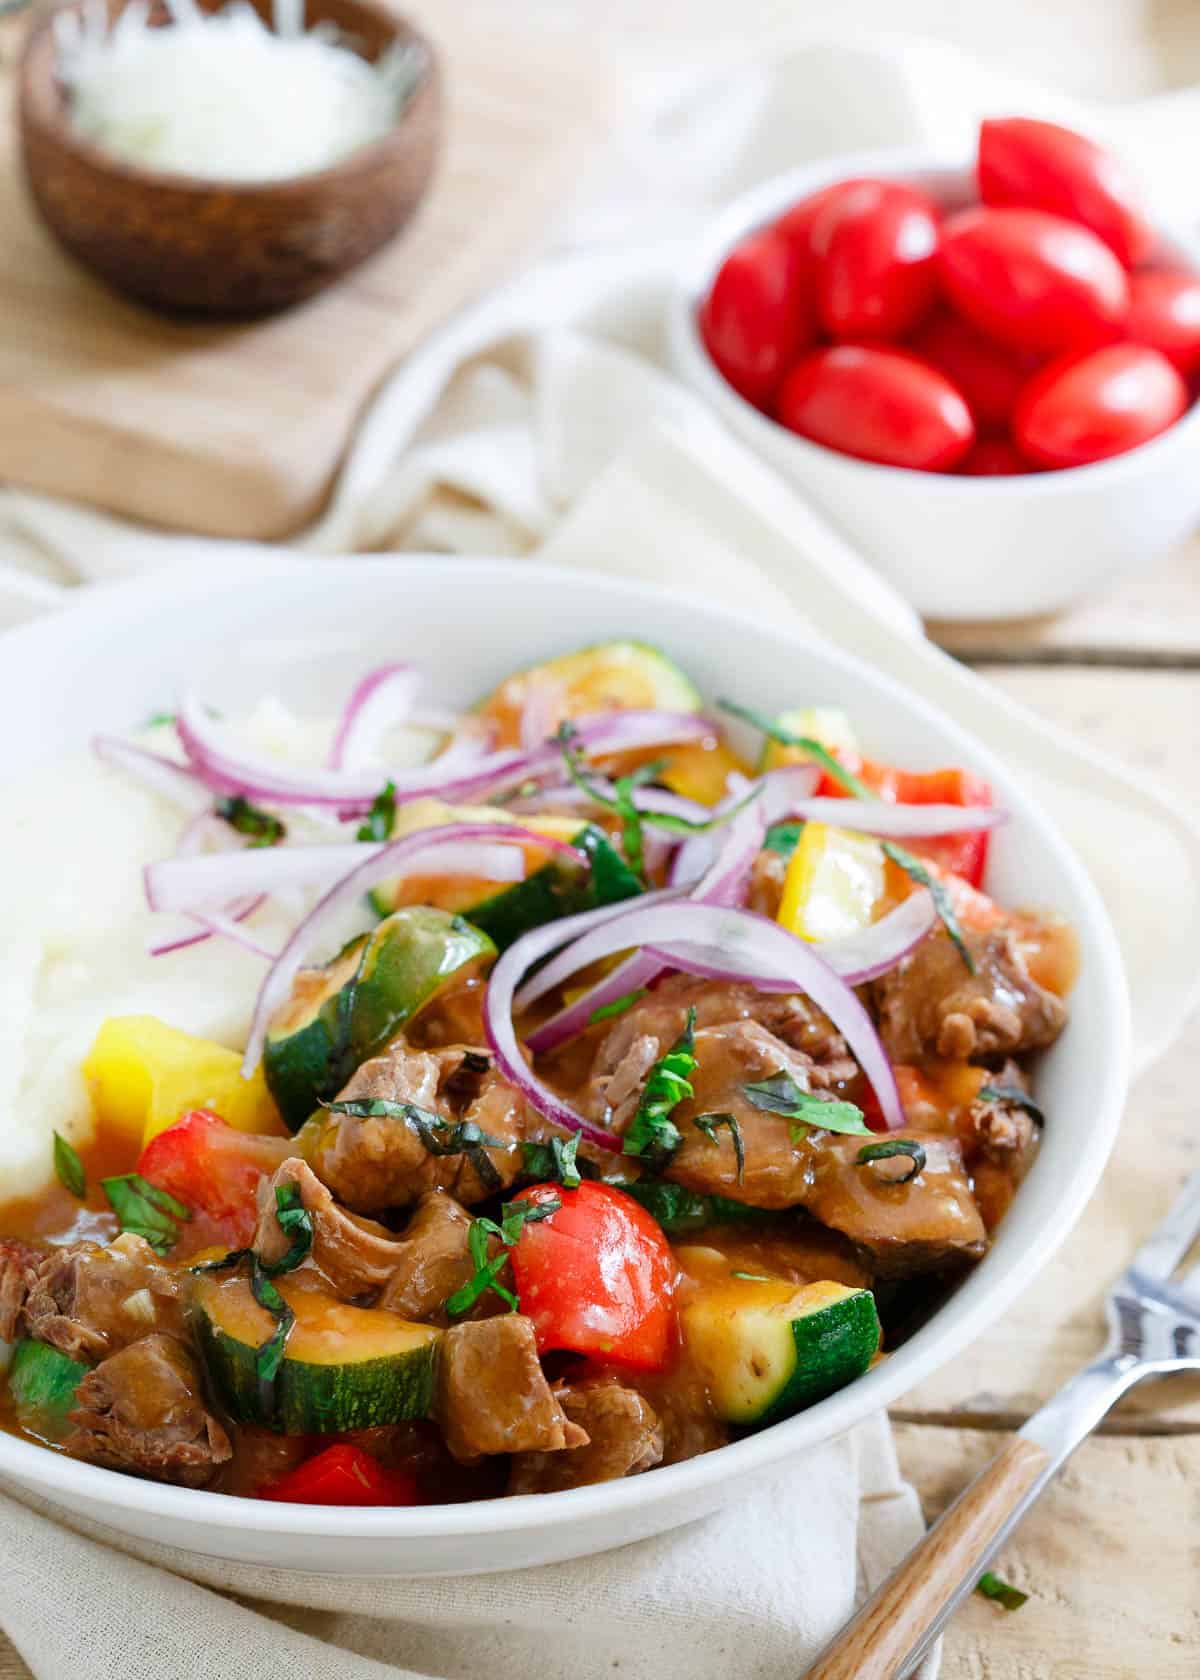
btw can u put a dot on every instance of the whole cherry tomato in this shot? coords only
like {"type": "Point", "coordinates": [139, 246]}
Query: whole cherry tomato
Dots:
{"type": "Point", "coordinates": [756, 318]}
{"type": "Point", "coordinates": [596, 1276]}
{"type": "Point", "coordinates": [1086, 408]}
{"type": "Point", "coordinates": [797, 223]}
{"type": "Point", "coordinates": [1164, 312]}
{"type": "Point", "coordinates": [875, 249]}
{"type": "Point", "coordinates": [1040, 166]}
{"type": "Point", "coordinates": [988, 375]}
{"type": "Point", "coordinates": [993, 458]}
{"type": "Point", "coordinates": [880, 405]}
{"type": "Point", "coordinates": [1033, 280]}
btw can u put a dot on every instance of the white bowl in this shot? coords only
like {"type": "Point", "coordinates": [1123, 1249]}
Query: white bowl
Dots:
{"type": "Point", "coordinates": [956, 547]}
{"type": "Point", "coordinates": [303, 629]}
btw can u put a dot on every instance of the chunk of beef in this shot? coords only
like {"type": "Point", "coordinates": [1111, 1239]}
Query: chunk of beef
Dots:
{"type": "Point", "coordinates": [1000, 1143]}
{"type": "Point", "coordinates": [624, 1438]}
{"type": "Point", "coordinates": [89, 1301]}
{"type": "Point", "coordinates": [931, 1005]}
{"type": "Point", "coordinates": [492, 1395]}
{"type": "Point", "coordinates": [141, 1411]}
{"type": "Point", "coordinates": [356, 1255]}
{"type": "Point", "coordinates": [19, 1262]}
{"type": "Point", "coordinates": [435, 1259]}
{"type": "Point", "coordinates": [384, 1162]}
{"type": "Point", "coordinates": [767, 878]}
{"type": "Point", "coordinates": [644, 1033]}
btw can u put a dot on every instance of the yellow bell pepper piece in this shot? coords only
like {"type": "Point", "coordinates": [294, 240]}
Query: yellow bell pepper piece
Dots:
{"type": "Point", "coordinates": [835, 880]}
{"type": "Point", "coordinates": [145, 1074]}
{"type": "Point", "coordinates": [828, 725]}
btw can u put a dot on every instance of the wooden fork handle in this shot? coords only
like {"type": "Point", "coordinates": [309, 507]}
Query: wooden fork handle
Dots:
{"type": "Point", "coordinates": [892, 1623]}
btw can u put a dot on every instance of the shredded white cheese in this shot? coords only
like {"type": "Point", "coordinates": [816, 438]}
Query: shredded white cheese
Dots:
{"type": "Point", "coordinates": [221, 97]}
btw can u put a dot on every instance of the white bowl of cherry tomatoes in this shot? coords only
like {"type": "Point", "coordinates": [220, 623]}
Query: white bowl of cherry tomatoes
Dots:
{"type": "Point", "coordinates": [984, 372]}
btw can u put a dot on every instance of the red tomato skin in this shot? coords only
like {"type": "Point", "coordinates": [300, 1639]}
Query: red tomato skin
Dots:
{"type": "Point", "coordinates": [343, 1475]}
{"type": "Point", "coordinates": [875, 250]}
{"type": "Point", "coordinates": [1033, 165]}
{"type": "Point", "coordinates": [215, 1171]}
{"type": "Point", "coordinates": [989, 376]}
{"type": "Point", "coordinates": [1033, 280]}
{"type": "Point", "coordinates": [597, 1276]}
{"type": "Point", "coordinates": [994, 458]}
{"type": "Point", "coordinates": [963, 855]}
{"type": "Point", "coordinates": [796, 224]}
{"type": "Point", "coordinates": [1164, 312]}
{"type": "Point", "coordinates": [879, 405]}
{"type": "Point", "coordinates": [1087, 408]}
{"type": "Point", "coordinates": [757, 317]}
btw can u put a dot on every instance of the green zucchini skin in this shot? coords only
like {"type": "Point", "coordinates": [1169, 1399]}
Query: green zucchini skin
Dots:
{"type": "Point", "coordinates": [42, 1382]}
{"type": "Point", "coordinates": [559, 888]}
{"type": "Point", "coordinates": [833, 1346]}
{"type": "Point", "coordinates": [682, 1212]}
{"type": "Point", "coordinates": [372, 987]}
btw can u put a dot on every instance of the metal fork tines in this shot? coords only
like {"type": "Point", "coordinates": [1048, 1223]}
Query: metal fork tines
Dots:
{"type": "Point", "coordinates": [1154, 1318]}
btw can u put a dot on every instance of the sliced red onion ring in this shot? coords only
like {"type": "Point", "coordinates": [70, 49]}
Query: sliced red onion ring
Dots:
{"type": "Point", "coordinates": [738, 943]}
{"type": "Point", "coordinates": [900, 822]}
{"type": "Point", "coordinates": [226, 927]}
{"type": "Point", "coordinates": [239, 911]}
{"type": "Point", "coordinates": [212, 881]}
{"type": "Point", "coordinates": [262, 778]}
{"type": "Point", "coordinates": [153, 770]}
{"type": "Point", "coordinates": [384, 697]}
{"type": "Point", "coordinates": [396, 857]}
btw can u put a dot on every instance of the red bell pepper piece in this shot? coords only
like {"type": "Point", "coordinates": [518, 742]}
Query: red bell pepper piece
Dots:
{"type": "Point", "coordinates": [214, 1170]}
{"type": "Point", "coordinates": [343, 1475]}
{"type": "Point", "coordinates": [964, 855]}
{"type": "Point", "coordinates": [597, 1276]}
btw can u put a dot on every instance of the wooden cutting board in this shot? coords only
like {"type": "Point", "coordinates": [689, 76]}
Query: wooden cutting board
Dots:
{"type": "Point", "coordinates": [237, 431]}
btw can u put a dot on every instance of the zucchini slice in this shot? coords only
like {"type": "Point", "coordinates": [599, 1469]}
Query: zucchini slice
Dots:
{"type": "Point", "coordinates": [558, 888]}
{"type": "Point", "coordinates": [343, 1367]}
{"type": "Point", "coordinates": [682, 1212]}
{"type": "Point", "coordinates": [42, 1382]}
{"type": "Point", "coordinates": [610, 676]}
{"type": "Point", "coordinates": [768, 1348]}
{"type": "Point", "coordinates": [340, 1015]}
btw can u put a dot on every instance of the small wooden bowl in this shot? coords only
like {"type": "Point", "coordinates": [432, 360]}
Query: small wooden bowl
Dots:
{"type": "Point", "coordinates": [227, 248]}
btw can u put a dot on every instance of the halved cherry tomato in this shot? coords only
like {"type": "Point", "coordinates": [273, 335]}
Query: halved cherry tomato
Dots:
{"type": "Point", "coordinates": [880, 405]}
{"type": "Point", "coordinates": [1033, 280]}
{"type": "Point", "coordinates": [988, 375]}
{"type": "Point", "coordinates": [343, 1475]}
{"type": "Point", "coordinates": [215, 1171]}
{"type": "Point", "coordinates": [964, 855]}
{"type": "Point", "coordinates": [1164, 312]}
{"type": "Point", "coordinates": [1040, 166]}
{"type": "Point", "coordinates": [875, 249]}
{"type": "Point", "coordinates": [1086, 408]}
{"type": "Point", "coordinates": [994, 458]}
{"type": "Point", "coordinates": [597, 1276]}
{"type": "Point", "coordinates": [756, 318]}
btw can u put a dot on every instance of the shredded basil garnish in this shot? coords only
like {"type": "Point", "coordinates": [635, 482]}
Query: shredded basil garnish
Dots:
{"type": "Point", "coordinates": [708, 1123]}
{"type": "Point", "coordinates": [68, 1167]}
{"type": "Point", "coordinates": [260, 827]}
{"type": "Point", "coordinates": [916, 871]}
{"type": "Point", "coordinates": [381, 818]}
{"type": "Point", "coordinates": [145, 1210]}
{"type": "Point", "coordinates": [160, 720]}
{"type": "Point", "coordinates": [439, 1135]}
{"type": "Point", "coordinates": [514, 1216]}
{"type": "Point", "coordinates": [781, 1095]}
{"type": "Point", "coordinates": [618, 1006]}
{"type": "Point", "coordinates": [555, 1162]}
{"type": "Point", "coordinates": [1014, 1096]}
{"type": "Point", "coordinates": [991, 1586]}
{"type": "Point", "coordinates": [889, 1148]}
{"type": "Point", "coordinates": [787, 738]}
{"type": "Point", "coordinates": [783, 838]}
{"type": "Point", "coordinates": [652, 1135]}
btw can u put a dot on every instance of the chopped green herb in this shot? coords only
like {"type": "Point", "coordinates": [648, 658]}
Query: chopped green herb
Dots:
{"type": "Point", "coordinates": [786, 738]}
{"type": "Point", "coordinates": [439, 1135]}
{"type": "Point", "coordinates": [680, 1211]}
{"type": "Point", "coordinates": [783, 837]}
{"type": "Point", "coordinates": [1014, 1096]}
{"type": "Point", "coordinates": [991, 1586]}
{"type": "Point", "coordinates": [554, 1162]}
{"type": "Point", "coordinates": [269, 1357]}
{"type": "Point", "coordinates": [781, 1095]}
{"type": "Point", "coordinates": [652, 1135]}
{"type": "Point", "coordinates": [618, 1006]}
{"type": "Point", "coordinates": [888, 1149]}
{"type": "Point", "coordinates": [69, 1167]}
{"type": "Point", "coordinates": [916, 871]}
{"type": "Point", "coordinates": [260, 827]}
{"type": "Point", "coordinates": [708, 1123]}
{"type": "Point", "coordinates": [160, 720]}
{"type": "Point", "coordinates": [145, 1210]}
{"type": "Point", "coordinates": [752, 1277]}
{"type": "Point", "coordinates": [295, 1222]}
{"type": "Point", "coordinates": [514, 1216]}
{"type": "Point", "coordinates": [381, 818]}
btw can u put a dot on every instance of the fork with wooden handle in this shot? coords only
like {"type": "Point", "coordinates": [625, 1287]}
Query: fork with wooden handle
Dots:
{"type": "Point", "coordinates": [1154, 1331]}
